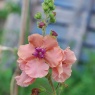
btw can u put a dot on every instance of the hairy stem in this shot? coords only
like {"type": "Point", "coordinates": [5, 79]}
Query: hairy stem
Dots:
{"type": "Point", "coordinates": [51, 83]}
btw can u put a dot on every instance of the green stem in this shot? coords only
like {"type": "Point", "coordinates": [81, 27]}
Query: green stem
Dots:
{"type": "Point", "coordinates": [44, 31]}
{"type": "Point", "coordinates": [52, 86]}
{"type": "Point", "coordinates": [57, 86]}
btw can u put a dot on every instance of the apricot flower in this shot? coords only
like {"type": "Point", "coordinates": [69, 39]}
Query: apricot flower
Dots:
{"type": "Point", "coordinates": [36, 57]}
{"type": "Point", "coordinates": [63, 70]}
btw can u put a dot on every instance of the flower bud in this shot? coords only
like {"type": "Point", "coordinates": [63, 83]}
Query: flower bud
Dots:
{"type": "Point", "coordinates": [46, 1]}
{"type": "Point", "coordinates": [50, 4]}
{"type": "Point", "coordinates": [38, 15]}
{"type": "Point", "coordinates": [51, 15]}
{"type": "Point", "coordinates": [54, 13]}
{"type": "Point", "coordinates": [52, 20]}
{"type": "Point", "coordinates": [41, 24]}
{"type": "Point", "coordinates": [45, 7]}
{"type": "Point", "coordinates": [53, 33]}
{"type": "Point", "coordinates": [53, 7]}
{"type": "Point", "coordinates": [35, 91]}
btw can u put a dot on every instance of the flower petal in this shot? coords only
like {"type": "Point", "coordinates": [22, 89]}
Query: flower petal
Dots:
{"type": "Point", "coordinates": [54, 57]}
{"type": "Point", "coordinates": [36, 40]}
{"type": "Point", "coordinates": [58, 69]}
{"type": "Point", "coordinates": [49, 42]}
{"type": "Point", "coordinates": [36, 68]}
{"type": "Point", "coordinates": [24, 80]}
{"type": "Point", "coordinates": [22, 63]}
{"type": "Point", "coordinates": [70, 56]}
{"type": "Point", "coordinates": [25, 51]}
{"type": "Point", "coordinates": [64, 75]}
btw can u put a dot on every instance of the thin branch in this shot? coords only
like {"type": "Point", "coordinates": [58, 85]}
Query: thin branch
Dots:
{"type": "Point", "coordinates": [24, 15]}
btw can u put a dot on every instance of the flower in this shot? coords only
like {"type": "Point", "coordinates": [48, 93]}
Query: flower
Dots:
{"type": "Point", "coordinates": [24, 80]}
{"type": "Point", "coordinates": [36, 57]}
{"type": "Point", "coordinates": [63, 70]}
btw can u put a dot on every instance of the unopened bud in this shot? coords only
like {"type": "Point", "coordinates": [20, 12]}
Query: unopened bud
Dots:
{"type": "Point", "coordinates": [38, 15]}
{"type": "Point", "coordinates": [35, 91]}
{"type": "Point", "coordinates": [53, 33]}
{"type": "Point", "coordinates": [41, 24]}
{"type": "Point", "coordinates": [54, 13]}
{"type": "Point", "coordinates": [45, 7]}
{"type": "Point", "coordinates": [52, 20]}
{"type": "Point", "coordinates": [50, 4]}
{"type": "Point", "coordinates": [51, 15]}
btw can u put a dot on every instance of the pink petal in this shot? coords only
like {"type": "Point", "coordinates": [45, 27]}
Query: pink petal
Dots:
{"type": "Point", "coordinates": [49, 42]}
{"type": "Point", "coordinates": [22, 63]}
{"type": "Point", "coordinates": [25, 52]}
{"type": "Point", "coordinates": [36, 40]}
{"type": "Point", "coordinates": [36, 68]}
{"type": "Point", "coordinates": [70, 56]}
{"type": "Point", "coordinates": [64, 75]}
{"type": "Point", "coordinates": [54, 57]}
{"type": "Point", "coordinates": [24, 80]}
{"type": "Point", "coordinates": [58, 69]}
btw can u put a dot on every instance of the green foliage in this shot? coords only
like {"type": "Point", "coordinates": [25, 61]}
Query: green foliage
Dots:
{"type": "Point", "coordinates": [3, 13]}
{"type": "Point", "coordinates": [5, 77]}
{"type": "Point", "coordinates": [9, 8]}
{"type": "Point", "coordinates": [0, 35]}
{"type": "Point", "coordinates": [12, 7]}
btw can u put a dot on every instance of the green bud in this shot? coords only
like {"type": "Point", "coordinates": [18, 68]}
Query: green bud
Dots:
{"type": "Point", "coordinates": [52, 20]}
{"type": "Point", "coordinates": [45, 7]}
{"type": "Point", "coordinates": [52, 8]}
{"type": "Point", "coordinates": [51, 15]}
{"type": "Point", "coordinates": [46, 1]}
{"type": "Point", "coordinates": [38, 15]}
{"type": "Point", "coordinates": [50, 5]}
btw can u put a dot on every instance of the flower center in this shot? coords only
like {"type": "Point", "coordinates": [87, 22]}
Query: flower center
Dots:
{"type": "Point", "coordinates": [39, 52]}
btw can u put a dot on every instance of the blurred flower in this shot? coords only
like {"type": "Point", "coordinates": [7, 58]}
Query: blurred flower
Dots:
{"type": "Point", "coordinates": [36, 57]}
{"type": "Point", "coordinates": [63, 70]}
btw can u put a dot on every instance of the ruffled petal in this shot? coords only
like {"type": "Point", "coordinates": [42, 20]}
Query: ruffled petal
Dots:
{"type": "Point", "coordinates": [62, 76]}
{"type": "Point", "coordinates": [25, 52]}
{"type": "Point", "coordinates": [49, 42]}
{"type": "Point", "coordinates": [70, 56]}
{"type": "Point", "coordinates": [24, 80]}
{"type": "Point", "coordinates": [54, 57]}
{"type": "Point", "coordinates": [36, 68]}
{"type": "Point", "coordinates": [58, 69]}
{"type": "Point", "coordinates": [22, 63]}
{"type": "Point", "coordinates": [36, 40]}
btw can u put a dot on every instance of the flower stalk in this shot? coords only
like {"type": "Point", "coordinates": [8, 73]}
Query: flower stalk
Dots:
{"type": "Point", "coordinates": [51, 83]}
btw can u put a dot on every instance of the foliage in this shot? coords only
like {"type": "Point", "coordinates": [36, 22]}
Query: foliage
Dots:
{"type": "Point", "coordinates": [9, 8]}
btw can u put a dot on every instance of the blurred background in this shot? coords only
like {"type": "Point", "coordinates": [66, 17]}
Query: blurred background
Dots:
{"type": "Point", "coordinates": [75, 26]}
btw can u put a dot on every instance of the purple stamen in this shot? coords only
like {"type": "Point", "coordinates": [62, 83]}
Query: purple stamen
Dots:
{"type": "Point", "coordinates": [39, 52]}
